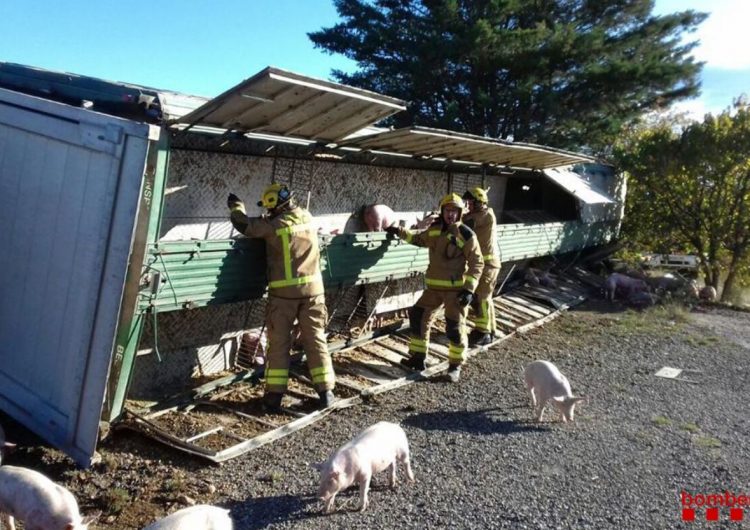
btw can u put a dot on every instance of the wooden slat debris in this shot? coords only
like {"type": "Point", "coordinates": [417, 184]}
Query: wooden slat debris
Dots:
{"type": "Point", "coordinates": [368, 366]}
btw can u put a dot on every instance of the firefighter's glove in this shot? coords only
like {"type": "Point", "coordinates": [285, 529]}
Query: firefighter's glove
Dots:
{"type": "Point", "coordinates": [392, 231]}
{"type": "Point", "coordinates": [233, 201]}
{"type": "Point", "coordinates": [465, 297]}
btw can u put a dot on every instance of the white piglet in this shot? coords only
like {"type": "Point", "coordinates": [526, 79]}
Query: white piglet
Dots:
{"type": "Point", "coordinates": [199, 517]}
{"type": "Point", "coordinates": [545, 383]}
{"type": "Point", "coordinates": [29, 496]}
{"type": "Point", "coordinates": [379, 447]}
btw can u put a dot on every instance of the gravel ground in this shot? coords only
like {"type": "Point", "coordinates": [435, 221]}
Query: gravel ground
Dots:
{"type": "Point", "coordinates": [480, 463]}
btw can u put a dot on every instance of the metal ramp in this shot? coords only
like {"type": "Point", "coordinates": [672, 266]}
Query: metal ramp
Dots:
{"type": "Point", "coordinates": [224, 419]}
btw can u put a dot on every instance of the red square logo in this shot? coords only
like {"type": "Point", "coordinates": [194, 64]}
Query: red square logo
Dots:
{"type": "Point", "coordinates": [736, 514]}
{"type": "Point", "coordinates": [688, 514]}
{"type": "Point", "coordinates": [712, 514]}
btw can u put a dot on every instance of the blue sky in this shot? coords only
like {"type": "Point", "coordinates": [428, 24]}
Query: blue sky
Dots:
{"type": "Point", "coordinates": [204, 47]}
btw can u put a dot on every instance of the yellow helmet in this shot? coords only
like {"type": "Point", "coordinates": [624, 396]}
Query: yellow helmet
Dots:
{"type": "Point", "coordinates": [275, 195]}
{"type": "Point", "coordinates": [452, 199]}
{"type": "Point", "coordinates": [477, 194]}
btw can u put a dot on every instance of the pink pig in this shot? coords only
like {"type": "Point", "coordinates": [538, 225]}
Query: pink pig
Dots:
{"type": "Point", "coordinates": [378, 217]}
{"type": "Point", "coordinates": [545, 382]}
{"type": "Point", "coordinates": [379, 447]}
{"type": "Point", "coordinates": [29, 496]}
{"type": "Point", "coordinates": [624, 285]}
{"type": "Point", "coordinates": [199, 517]}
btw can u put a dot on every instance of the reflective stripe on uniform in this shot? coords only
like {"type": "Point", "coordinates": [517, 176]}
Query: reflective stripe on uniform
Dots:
{"type": "Point", "coordinates": [488, 257]}
{"type": "Point", "coordinates": [277, 376]}
{"type": "Point", "coordinates": [455, 352]}
{"type": "Point", "coordinates": [459, 242]}
{"type": "Point", "coordinates": [321, 374]}
{"type": "Point", "coordinates": [433, 232]}
{"type": "Point", "coordinates": [431, 282]}
{"type": "Point", "coordinates": [409, 237]}
{"type": "Point", "coordinates": [293, 281]}
{"type": "Point", "coordinates": [418, 345]}
{"type": "Point", "coordinates": [284, 234]}
{"type": "Point", "coordinates": [470, 282]}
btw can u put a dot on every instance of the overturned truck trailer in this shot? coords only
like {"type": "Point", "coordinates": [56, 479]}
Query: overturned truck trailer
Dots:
{"type": "Point", "coordinates": [123, 278]}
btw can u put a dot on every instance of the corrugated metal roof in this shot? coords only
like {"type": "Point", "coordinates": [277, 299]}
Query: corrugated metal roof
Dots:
{"type": "Point", "coordinates": [438, 143]}
{"type": "Point", "coordinates": [280, 102]}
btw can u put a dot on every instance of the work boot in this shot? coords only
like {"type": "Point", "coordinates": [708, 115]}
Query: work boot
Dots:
{"type": "Point", "coordinates": [272, 402]}
{"type": "Point", "coordinates": [483, 339]}
{"type": "Point", "coordinates": [326, 399]}
{"type": "Point", "coordinates": [415, 362]}
{"type": "Point", "coordinates": [454, 373]}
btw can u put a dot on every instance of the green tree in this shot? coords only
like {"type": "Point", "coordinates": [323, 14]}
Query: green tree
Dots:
{"type": "Point", "coordinates": [566, 73]}
{"type": "Point", "coordinates": [689, 189]}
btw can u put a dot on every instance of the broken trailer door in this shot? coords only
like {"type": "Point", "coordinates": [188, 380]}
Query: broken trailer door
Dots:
{"type": "Point", "coordinates": [70, 186]}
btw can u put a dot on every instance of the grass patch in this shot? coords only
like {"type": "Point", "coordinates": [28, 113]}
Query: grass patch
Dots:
{"type": "Point", "coordinates": [661, 421]}
{"type": "Point", "coordinates": [172, 485]}
{"type": "Point", "coordinates": [115, 500]}
{"type": "Point", "coordinates": [689, 427]}
{"type": "Point", "coordinates": [709, 442]}
{"type": "Point", "coordinates": [663, 319]}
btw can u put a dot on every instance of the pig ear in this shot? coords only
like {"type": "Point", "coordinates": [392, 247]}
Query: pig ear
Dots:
{"type": "Point", "coordinates": [317, 466]}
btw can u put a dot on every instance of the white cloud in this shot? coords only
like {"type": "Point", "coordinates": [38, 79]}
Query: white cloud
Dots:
{"type": "Point", "coordinates": [724, 36]}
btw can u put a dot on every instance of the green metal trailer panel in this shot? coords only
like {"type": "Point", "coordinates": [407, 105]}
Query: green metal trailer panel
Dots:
{"type": "Point", "coordinates": [181, 274]}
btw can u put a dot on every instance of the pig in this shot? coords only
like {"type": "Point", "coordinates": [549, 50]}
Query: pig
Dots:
{"type": "Point", "coordinates": [29, 496]}
{"type": "Point", "coordinates": [626, 286]}
{"type": "Point", "coordinates": [5, 446]}
{"type": "Point", "coordinates": [375, 449]}
{"type": "Point", "coordinates": [198, 517]}
{"type": "Point", "coordinates": [378, 217]}
{"type": "Point", "coordinates": [708, 293]}
{"type": "Point", "coordinates": [545, 382]}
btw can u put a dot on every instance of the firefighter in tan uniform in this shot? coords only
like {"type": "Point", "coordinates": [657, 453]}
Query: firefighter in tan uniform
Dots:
{"type": "Point", "coordinates": [482, 220]}
{"type": "Point", "coordinates": [295, 290]}
{"type": "Point", "coordinates": [451, 278]}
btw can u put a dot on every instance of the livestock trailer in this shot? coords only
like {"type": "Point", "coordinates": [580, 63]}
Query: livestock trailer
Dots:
{"type": "Point", "coordinates": [122, 277]}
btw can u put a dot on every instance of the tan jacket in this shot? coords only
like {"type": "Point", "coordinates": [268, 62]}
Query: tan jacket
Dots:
{"type": "Point", "coordinates": [292, 254]}
{"type": "Point", "coordinates": [484, 225]}
{"type": "Point", "coordinates": [455, 258]}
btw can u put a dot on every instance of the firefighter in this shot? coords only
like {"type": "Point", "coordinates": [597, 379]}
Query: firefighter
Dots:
{"type": "Point", "coordinates": [295, 290]}
{"type": "Point", "coordinates": [482, 220]}
{"type": "Point", "coordinates": [452, 275]}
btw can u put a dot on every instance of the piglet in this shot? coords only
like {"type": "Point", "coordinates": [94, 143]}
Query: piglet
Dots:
{"type": "Point", "coordinates": [624, 285]}
{"type": "Point", "coordinates": [378, 217]}
{"type": "Point", "coordinates": [708, 293]}
{"type": "Point", "coordinates": [375, 449]}
{"type": "Point", "coordinates": [199, 517]}
{"type": "Point", "coordinates": [41, 504]}
{"type": "Point", "coordinates": [5, 446]}
{"type": "Point", "coordinates": [545, 382]}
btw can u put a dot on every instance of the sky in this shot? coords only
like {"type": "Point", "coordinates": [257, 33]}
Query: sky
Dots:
{"type": "Point", "coordinates": [205, 47]}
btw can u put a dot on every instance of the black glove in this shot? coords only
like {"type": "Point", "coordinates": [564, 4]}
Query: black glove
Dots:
{"type": "Point", "coordinates": [465, 297]}
{"type": "Point", "coordinates": [233, 200]}
{"type": "Point", "coordinates": [392, 231]}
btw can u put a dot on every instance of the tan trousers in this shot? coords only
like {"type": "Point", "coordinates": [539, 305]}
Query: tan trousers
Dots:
{"type": "Point", "coordinates": [312, 316]}
{"type": "Point", "coordinates": [482, 312]}
{"type": "Point", "coordinates": [422, 315]}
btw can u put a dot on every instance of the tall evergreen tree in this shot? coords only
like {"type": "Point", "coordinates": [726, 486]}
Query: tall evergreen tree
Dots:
{"type": "Point", "coordinates": [566, 73]}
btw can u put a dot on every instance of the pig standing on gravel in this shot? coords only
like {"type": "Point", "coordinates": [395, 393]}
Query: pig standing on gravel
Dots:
{"type": "Point", "coordinates": [545, 382]}
{"type": "Point", "coordinates": [626, 286]}
{"type": "Point", "coordinates": [199, 517]}
{"type": "Point", "coordinates": [375, 449]}
{"type": "Point", "coordinates": [378, 217]}
{"type": "Point", "coordinates": [41, 504]}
